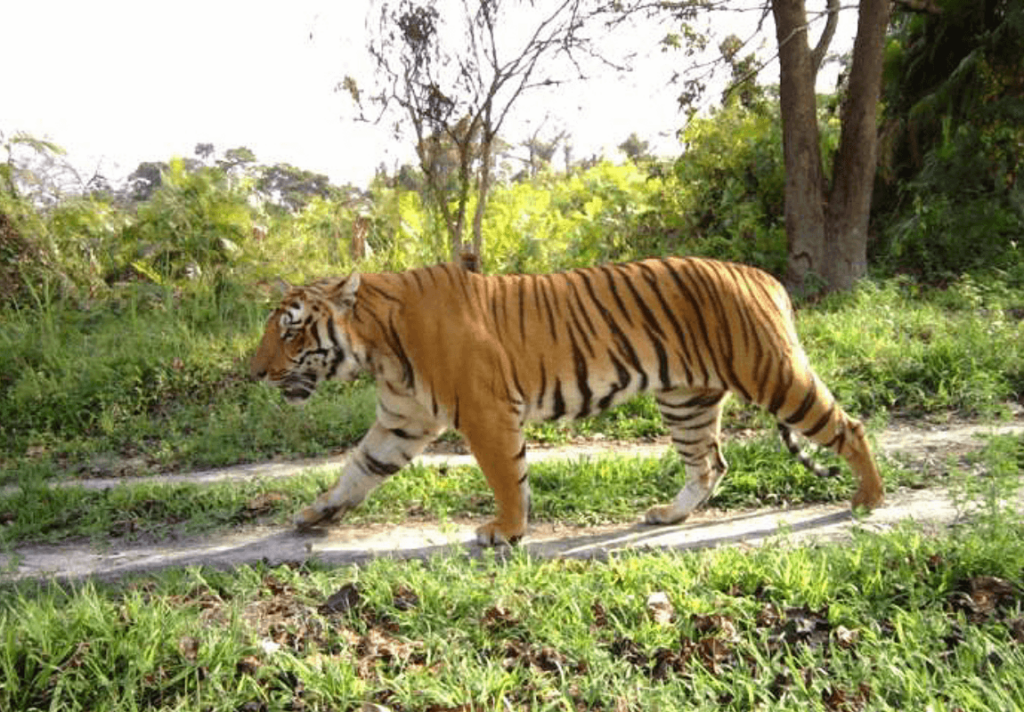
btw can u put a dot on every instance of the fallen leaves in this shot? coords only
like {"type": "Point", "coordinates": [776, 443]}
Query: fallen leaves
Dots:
{"type": "Point", "coordinates": [980, 597]}
{"type": "Point", "coordinates": [263, 504]}
{"type": "Point", "coordinates": [789, 649]}
{"type": "Point", "coordinates": [714, 643]}
{"type": "Point", "coordinates": [660, 608]}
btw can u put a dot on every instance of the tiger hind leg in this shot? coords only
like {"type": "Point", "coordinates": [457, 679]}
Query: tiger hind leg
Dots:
{"type": "Point", "coordinates": [694, 420]}
{"type": "Point", "coordinates": [813, 412]}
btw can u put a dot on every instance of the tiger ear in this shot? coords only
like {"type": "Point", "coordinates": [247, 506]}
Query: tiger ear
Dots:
{"type": "Point", "coordinates": [344, 294]}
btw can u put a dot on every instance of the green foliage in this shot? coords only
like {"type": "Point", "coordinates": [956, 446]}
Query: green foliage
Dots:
{"type": "Point", "coordinates": [887, 622]}
{"type": "Point", "coordinates": [726, 197]}
{"type": "Point", "coordinates": [195, 220]}
{"type": "Point", "coordinates": [556, 222]}
{"type": "Point", "coordinates": [909, 352]}
{"type": "Point", "coordinates": [954, 118]}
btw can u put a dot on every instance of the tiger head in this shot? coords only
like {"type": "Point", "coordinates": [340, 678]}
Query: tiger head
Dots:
{"type": "Point", "coordinates": [307, 339]}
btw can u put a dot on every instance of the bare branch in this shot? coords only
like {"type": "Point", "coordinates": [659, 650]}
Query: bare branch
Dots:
{"type": "Point", "coordinates": [818, 53]}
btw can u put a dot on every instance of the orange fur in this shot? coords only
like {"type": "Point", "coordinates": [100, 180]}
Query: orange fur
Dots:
{"type": "Point", "coordinates": [485, 354]}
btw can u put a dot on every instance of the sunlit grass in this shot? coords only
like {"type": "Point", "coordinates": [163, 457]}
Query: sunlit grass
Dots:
{"type": "Point", "coordinates": [578, 492]}
{"type": "Point", "coordinates": [883, 622]}
{"type": "Point", "coordinates": [158, 376]}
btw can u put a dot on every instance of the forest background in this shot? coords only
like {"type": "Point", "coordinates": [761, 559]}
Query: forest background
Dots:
{"type": "Point", "coordinates": [125, 304]}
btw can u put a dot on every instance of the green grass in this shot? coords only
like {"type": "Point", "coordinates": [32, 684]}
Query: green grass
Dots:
{"type": "Point", "coordinates": [892, 348]}
{"type": "Point", "coordinates": [582, 493]}
{"type": "Point", "coordinates": [891, 622]}
{"type": "Point", "coordinates": [157, 376]}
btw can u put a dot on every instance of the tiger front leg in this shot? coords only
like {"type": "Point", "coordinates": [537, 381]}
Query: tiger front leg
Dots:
{"type": "Point", "coordinates": [383, 451]}
{"type": "Point", "coordinates": [500, 451]}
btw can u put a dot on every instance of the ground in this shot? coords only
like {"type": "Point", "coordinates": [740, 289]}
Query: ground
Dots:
{"type": "Point", "coordinates": [924, 446]}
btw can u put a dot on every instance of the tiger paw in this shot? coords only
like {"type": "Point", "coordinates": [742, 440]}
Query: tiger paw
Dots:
{"type": "Point", "coordinates": [664, 514]}
{"type": "Point", "coordinates": [493, 534]}
{"type": "Point", "coordinates": [315, 514]}
{"type": "Point", "coordinates": [868, 498]}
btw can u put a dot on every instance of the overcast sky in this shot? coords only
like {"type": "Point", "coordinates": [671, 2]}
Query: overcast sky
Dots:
{"type": "Point", "coordinates": [116, 82]}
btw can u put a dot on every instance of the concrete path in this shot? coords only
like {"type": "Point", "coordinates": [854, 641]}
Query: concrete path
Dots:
{"type": "Point", "coordinates": [933, 508]}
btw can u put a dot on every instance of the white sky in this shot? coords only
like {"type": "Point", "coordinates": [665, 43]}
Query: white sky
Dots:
{"type": "Point", "coordinates": [116, 82]}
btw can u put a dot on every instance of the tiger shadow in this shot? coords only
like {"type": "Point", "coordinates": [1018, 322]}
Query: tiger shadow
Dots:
{"type": "Point", "coordinates": [751, 527]}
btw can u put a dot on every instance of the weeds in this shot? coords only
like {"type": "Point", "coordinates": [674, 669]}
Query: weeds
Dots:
{"type": "Point", "coordinates": [158, 375]}
{"type": "Point", "coordinates": [888, 622]}
{"type": "Point", "coordinates": [575, 492]}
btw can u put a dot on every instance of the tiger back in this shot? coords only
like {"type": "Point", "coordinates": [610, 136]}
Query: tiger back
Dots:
{"type": "Point", "coordinates": [486, 354]}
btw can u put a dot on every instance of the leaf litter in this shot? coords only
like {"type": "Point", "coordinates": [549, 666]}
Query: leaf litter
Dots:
{"type": "Point", "coordinates": [345, 628]}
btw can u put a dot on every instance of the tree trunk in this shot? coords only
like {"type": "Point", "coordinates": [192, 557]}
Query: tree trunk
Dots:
{"type": "Point", "coordinates": [805, 179]}
{"type": "Point", "coordinates": [483, 191]}
{"type": "Point", "coordinates": [827, 229]}
{"type": "Point", "coordinates": [849, 205]}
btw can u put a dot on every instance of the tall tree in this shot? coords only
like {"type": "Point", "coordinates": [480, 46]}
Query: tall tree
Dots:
{"type": "Point", "coordinates": [455, 80]}
{"type": "Point", "coordinates": [826, 221]}
{"type": "Point", "coordinates": [827, 225]}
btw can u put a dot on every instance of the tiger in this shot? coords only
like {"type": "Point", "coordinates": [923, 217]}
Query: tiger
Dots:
{"type": "Point", "coordinates": [486, 354]}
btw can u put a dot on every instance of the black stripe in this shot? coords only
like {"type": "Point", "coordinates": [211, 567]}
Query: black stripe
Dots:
{"type": "Point", "coordinates": [703, 400]}
{"type": "Point", "coordinates": [543, 384]}
{"type": "Point", "coordinates": [712, 286]}
{"type": "Point", "coordinates": [582, 377]}
{"type": "Point", "coordinates": [622, 343]}
{"type": "Point", "coordinates": [684, 442]}
{"type": "Point", "coordinates": [535, 288]}
{"type": "Point", "coordinates": [339, 358]}
{"type": "Point", "coordinates": [781, 389]}
{"type": "Point", "coordinates": [645, 311]}
{"type": "Point", "coordinates": [494, 309]}
{"type": "Point", "coordinates": [805, 406]}
{"type": "Point", "coordinates": [522, 453]}
{"type": "Point", "coordinates": [659, 350]}
{"type": "Point", "coordinates": [550, 312]}
{"type": "Point", "coordinates": [607, 271]}
{"type": "Point", "coordinates": [653, 283]}
{"type": "Point", "coordinates": [623, 381]}
{"type": "Point", "coordinates": [519, 386]}
{"type": "Point", "coordinates": [522, 309]}
{"type": "Point", "coordinates": [697, 309]}
{"type": "Point", "coordinates": [370, 288]}
{"type": "Point", "coordinates": [575, 322]}
{"type": "Point", "coordinates": [558, 406]}
{"type": "Point", "coordinates": [408, 375]}
{"type": "Point", "coordinates": [403, 434]}
{"type": "Point", "coordinates": [579, 303]}
{"type": "Point", "coordinates": [685, 419]}
{"type": "Point", "coordinates": [838, 441]}
{"type": "Point", "coordinates": [388, 411]}
{"type": "Point", "coordinates": [463, 282]}
{"type": "Point", "coordinates": [816, 428]}
{"type": "Point", "coordinates": [378, 468]}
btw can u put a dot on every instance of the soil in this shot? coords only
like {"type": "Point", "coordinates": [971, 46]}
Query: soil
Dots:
{"type": "Point", "coordinates": [925, 447]}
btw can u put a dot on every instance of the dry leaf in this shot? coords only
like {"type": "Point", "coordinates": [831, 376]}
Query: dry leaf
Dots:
{"type": "Point", "coordinates": [660, 608]}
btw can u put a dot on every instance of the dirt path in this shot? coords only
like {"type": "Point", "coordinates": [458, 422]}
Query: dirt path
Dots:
{"type": "Point", "coordinates": [922, 446]}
